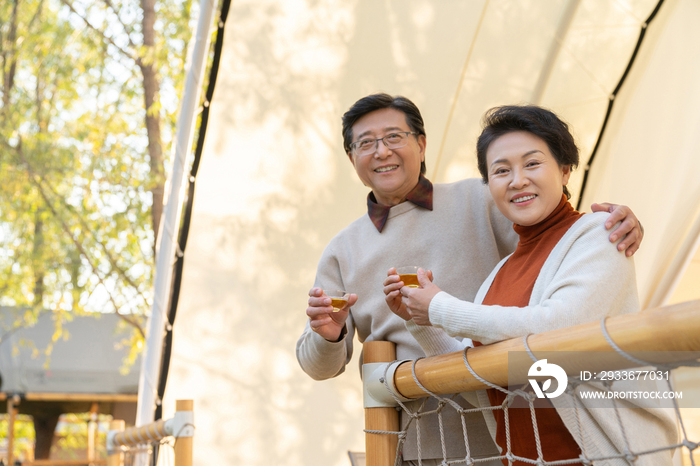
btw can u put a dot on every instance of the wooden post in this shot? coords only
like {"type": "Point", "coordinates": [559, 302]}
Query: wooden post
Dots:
{"type": "Point", "coordinates": [10, 430]}
{"type": "Point", "coordinates": [92, 432]}
{"type": "Point", "coordinates": [380, 449]}
{"type": "Point", "coordinates": [183, 445]}
{"type": "Point", "coordinates": [116, 457]}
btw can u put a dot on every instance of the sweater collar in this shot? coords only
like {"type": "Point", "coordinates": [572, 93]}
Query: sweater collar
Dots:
{"type": "Point", "coordinates": [421, 195]}
{"type": "Point", "coordinates": [529, 233]}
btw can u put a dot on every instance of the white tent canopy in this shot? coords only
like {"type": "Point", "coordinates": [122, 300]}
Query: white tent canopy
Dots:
{"type": "Point", "coordinates": [275, 186]}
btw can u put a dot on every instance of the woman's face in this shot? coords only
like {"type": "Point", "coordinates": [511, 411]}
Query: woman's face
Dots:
{"type": "Point", "coordinates": [525, 179]}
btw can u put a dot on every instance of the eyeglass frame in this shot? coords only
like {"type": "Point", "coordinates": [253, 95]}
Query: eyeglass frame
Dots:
{"type": "Point", "coordinates": [353, 146]}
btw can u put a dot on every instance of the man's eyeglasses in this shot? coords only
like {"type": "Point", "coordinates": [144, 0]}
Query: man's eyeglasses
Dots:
{"type": "Point", "coordinates": [391, 141]}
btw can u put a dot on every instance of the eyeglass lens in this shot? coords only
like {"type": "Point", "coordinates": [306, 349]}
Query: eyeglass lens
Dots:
{"type": "Point", "coordinates": [391, 141]}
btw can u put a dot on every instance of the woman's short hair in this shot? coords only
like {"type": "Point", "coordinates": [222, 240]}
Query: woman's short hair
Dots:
{"type": "Point", "coordinates": [373, 102]}
{"type": "Point", "coordinates": [532, 119]}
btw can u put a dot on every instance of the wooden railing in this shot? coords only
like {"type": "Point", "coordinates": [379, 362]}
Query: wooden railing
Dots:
{"type": "Point", "coordinates": [671, 330]}
{"type": "Point", "coordinates": [180, 427]}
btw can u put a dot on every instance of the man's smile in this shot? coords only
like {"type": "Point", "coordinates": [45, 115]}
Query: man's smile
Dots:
{"type": "Point", "coordinates": [387, 168]}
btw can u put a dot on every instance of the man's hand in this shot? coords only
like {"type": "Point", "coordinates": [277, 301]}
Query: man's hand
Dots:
{"type": "Point", "coordinates": [630, 229]}
{"type": "Point", "coordinates": [417, 300]}
{"type": "Point", "coordinates": [323, 320]}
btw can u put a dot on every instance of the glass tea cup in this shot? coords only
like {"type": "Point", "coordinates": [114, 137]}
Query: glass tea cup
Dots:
{"type": "Point", "coordinates": [409, 275]}
{"type": "Point", "coordinates": [339, 299]}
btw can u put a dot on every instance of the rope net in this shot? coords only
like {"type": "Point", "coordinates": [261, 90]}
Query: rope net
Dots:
{"type": "Point", "coordinates": [157, 453]}
{"type": "Point", "coordinates": [627, 417]}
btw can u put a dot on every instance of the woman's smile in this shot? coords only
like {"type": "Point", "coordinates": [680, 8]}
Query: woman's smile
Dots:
{"type": "Point", "coordinates": [523, 198]}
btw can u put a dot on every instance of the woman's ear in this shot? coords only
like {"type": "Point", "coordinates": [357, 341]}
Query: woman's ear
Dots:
{"type": "Point", "coordinates": [565, 174]}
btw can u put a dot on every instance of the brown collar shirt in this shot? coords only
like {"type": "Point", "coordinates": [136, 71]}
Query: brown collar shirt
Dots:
{"type": "Point", "coordinates": [421, 195]}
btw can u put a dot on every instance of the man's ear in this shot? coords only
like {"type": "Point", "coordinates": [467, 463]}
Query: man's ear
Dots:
{"type": "Point", "coordinates": [422, 143]}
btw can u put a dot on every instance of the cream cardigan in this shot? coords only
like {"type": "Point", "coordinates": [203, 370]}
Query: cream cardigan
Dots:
{"type": "Point", "coordinates": [583, 279]}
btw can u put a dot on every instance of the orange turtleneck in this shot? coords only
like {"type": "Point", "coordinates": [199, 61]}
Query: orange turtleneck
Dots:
{"type": "Point", "coordinates": [513, 286]}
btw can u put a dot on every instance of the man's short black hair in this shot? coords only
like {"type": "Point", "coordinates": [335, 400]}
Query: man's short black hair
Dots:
{"type": "Point", "coordinates": [373, 102]}
{"type": "Point", "coordinates": [532, 119]}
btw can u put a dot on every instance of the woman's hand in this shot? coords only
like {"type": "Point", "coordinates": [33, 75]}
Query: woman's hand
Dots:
{"type": "Point", "coordinates": [417, 300]}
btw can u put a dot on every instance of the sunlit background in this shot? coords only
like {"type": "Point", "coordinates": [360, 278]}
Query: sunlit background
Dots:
{"type": "Point", "coordinates": [274, 185]}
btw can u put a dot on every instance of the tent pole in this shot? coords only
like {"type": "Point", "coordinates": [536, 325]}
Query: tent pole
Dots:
{"type": "Point", "coordinates": [165, 248]}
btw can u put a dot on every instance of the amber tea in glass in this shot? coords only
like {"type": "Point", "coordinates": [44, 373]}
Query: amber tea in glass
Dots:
{"type": "Point", "coordinates": [339, 299]}
{"type": "Point", "coordinates": [409, 275]}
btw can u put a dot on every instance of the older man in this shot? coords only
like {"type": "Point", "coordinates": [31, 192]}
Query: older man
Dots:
{"type": "Point", "coordinates": [452, 229]}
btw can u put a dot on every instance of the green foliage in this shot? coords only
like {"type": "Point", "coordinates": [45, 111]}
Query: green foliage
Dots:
{"type": "Point", "coordinates": [72, 436]}
{"type": "Point", "coordinates": [24, 433]}
{"type": "Point", "coordinates": [75, 174]}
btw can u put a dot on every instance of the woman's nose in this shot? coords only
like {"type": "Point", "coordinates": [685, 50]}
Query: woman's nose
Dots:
{"type": "Point", "coordinates": [520, 180]}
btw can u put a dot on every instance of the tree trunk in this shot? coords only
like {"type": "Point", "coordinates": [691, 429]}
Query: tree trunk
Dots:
{"type": "Point", "coordinates": [151, 91]}
{"type": "Point", "coordinates": [38, 245]}
{"type": "Point", "coordinates": [74, 267]}
{"type": "Point", "coordinates": [9, 61]}
{"type": "Point", "coordinates": [38, 261]}
{"type": "Point", "coordinates": [44, 427]}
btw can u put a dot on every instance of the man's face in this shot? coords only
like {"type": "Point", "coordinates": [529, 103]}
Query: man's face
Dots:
{"type": "Point", "coordinates": [390, 173]}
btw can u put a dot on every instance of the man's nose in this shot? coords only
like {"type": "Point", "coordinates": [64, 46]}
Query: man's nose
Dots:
{"type": "Point", "coordinates": [382, 150]}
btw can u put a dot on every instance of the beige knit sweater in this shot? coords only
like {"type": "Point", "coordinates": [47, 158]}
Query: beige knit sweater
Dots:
{"type": "Point", "coordinates": [460, 240]}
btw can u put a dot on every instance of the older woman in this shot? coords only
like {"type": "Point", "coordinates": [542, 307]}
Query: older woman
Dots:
{"type": "Point", "coordinates": [561, 274]}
